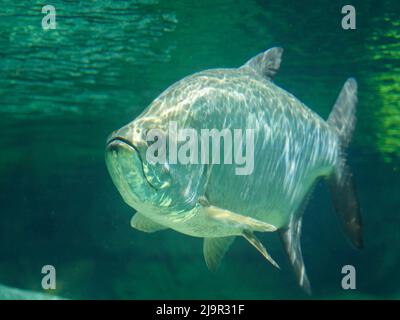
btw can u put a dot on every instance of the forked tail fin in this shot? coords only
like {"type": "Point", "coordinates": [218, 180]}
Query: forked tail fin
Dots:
{"type": "Point", "coordinates": [341, 184]}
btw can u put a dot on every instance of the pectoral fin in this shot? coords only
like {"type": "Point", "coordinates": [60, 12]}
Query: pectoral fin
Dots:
{"type": "Point", "coordinates": [250, 237]}
{"type": "Point", "coordinates": [214, 250]}
{"type": "Point", "coordinates": [142, 223]}
{"type": "Point", "coordinates": [231, 218]}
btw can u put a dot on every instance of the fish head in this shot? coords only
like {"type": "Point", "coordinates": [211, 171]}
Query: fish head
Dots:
{"type": "Point", "coordinates": [141, 182]}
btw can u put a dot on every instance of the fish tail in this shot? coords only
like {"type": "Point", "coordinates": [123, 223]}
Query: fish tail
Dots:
{"type": "Point", "coordinates": [342, 119]}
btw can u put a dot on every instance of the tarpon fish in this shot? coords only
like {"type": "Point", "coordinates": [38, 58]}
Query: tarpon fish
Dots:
{"type": "Point", "coordinates": [293, 149]}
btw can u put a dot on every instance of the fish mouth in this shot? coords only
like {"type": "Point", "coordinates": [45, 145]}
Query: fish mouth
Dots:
{"type": "Point", "coordinates": [116, 142]}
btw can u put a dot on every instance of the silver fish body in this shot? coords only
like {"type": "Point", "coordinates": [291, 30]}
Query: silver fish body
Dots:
{"type": "Point", "coordinates": [292, 147]}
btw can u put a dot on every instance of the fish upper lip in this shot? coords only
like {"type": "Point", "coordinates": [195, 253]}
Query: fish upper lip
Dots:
{"type": "Point", "coordinates": [122, 139]}
{"type": "Point", "coordinates": [130, 144]}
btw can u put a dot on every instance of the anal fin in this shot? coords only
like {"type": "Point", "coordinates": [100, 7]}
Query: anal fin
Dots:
{"type": "Point", "coordinates": [291, 241]}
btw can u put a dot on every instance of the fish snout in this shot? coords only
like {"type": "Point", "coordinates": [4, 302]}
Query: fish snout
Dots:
{"type": "Point", "coordinates": [111, 137]}
{"type": "Point", "coordinates": [130, 135]}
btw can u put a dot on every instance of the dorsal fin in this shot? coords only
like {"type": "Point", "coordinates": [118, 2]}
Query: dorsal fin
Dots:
{"type": "Point", "coordinates": [266, 63]}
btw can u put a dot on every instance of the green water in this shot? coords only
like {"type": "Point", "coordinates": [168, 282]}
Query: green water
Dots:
{"type": "Point", "coordinates": [63, 91]}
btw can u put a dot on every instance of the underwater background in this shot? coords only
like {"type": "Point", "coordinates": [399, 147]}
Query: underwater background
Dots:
{"type": "Point", "coordinates": [63, 91]}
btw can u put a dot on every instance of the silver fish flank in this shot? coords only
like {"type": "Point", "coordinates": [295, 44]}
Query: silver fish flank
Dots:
{"type": "Point", "coordinates": [293, 149]}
